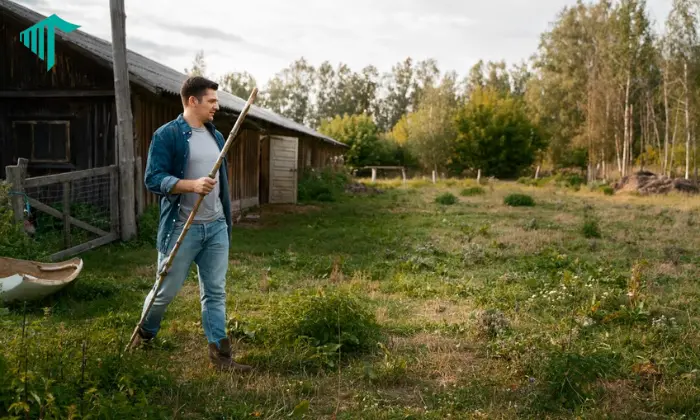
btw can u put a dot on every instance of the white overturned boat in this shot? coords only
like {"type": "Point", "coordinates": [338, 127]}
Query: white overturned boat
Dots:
{"type": "Point", "coordinates": [31, 280]}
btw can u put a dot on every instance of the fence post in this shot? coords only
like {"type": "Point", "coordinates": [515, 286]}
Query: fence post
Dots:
{"type": "Point", "coordinates": [15, 176]}
{"type": "Point", "coordinates": [403, 175]}
{"type": "Point", "coordinates": [374, 174]}
{"type": "Point", "coordinates": [114, 199]}
{"type": "Point", "coordinates": [66, 214]}
{"type": "Point", "coordinates": [478, 177]}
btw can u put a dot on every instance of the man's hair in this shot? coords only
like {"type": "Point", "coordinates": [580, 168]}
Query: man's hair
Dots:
{"type": "Point", "coordinates": [196, 86]}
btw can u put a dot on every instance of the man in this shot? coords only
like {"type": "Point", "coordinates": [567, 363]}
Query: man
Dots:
{"type": "Point", "coordinates": [182, 153]}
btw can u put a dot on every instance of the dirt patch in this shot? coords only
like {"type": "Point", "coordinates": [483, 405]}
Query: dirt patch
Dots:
{"type": "Point", "coordinates": [439, 311]}
{"type": "Point", "coordinates": [444, 360]}
{"type": "Point", "coordinates": [645, 183]}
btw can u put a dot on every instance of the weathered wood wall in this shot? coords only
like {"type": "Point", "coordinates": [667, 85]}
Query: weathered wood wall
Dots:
{"type": "Point", "coordinates": [150, 112]}
{"type": "Point", "coordinates": [264, 170]}
{"type": "Point", "coordinates": [24, 83]}
{"type": "Point", "coordinates": [244, 169]}
{"type": "Point", "coordinates": [314, 153]}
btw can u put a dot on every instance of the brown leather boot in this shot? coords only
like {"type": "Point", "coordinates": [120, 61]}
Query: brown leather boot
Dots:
{"type": "Point", "coordinates": [221, 357]}
{"type": "Point", "coordinates": [143, 339]}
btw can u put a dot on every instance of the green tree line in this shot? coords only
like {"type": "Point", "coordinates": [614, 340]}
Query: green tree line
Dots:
{"type": "Point", "coordinates": [603, 92]}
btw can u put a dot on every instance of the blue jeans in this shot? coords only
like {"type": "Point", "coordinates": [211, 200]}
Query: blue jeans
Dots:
{"type": "Point", "coordinates": [207, 245]}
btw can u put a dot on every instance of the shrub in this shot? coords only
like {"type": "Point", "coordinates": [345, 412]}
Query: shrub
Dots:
{"type": "Point", "coordinates": [313, 327]}
{"type": "Point", "coordinates": [567, 379]}
{"type": "Point", "coordinates": [468, 192]}
{"type": "Point", "coordinates": [590, 227]}
{"type": "Point", "coordinates": [446, 199]}
{"type": "Point", "coordinates": [14, 242]}
{"type": "Point", "coordinates": [324, 185]}
{"type": "Point", "coordinates": [608, 190]}
{"type": "Point", "coordinates": [518, 200]}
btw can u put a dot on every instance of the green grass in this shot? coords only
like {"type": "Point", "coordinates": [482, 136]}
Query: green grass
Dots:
{"type": "Point", "coordinates": [391, 306]}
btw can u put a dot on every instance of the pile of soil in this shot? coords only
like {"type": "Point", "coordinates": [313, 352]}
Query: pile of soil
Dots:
{"type": "Point", "coordinates": [359, 188]}
{"type": "Point", "coordinates": [646, 182]}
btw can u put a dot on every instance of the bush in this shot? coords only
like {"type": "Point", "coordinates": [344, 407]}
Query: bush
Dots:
{"type": "Point", "coordinates": [14, 242]}
{"type": "Point", "coordinates": [567, 379]}
{"type": "Point", "coordinates": [321, 185]}
{"type": "Point", "coordinates": [570, 179]}
{"type": "Point", "coordinates": [590, 227]}
{"type": "Point", "coordinates": [446, 199]}
{"type": "Point", "coordinates": [608, 190]}
{"type": "Point", "coordinates": [468, 192]}
{"type": "Point", "coordinates": [518, 200]}
{"type": "Point", "coordinates": [313, 327]}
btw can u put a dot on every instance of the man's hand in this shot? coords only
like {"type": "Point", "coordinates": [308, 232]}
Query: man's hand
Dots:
{"type": "Point", "coordinates": [203, 185]}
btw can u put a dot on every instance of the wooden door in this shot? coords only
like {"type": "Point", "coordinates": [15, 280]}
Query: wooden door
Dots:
{"type": "Point", "coordinates": [283, 169]}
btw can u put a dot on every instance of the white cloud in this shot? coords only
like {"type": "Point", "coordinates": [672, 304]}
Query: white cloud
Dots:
{"type": "Point", "coordinates": [264, 36]}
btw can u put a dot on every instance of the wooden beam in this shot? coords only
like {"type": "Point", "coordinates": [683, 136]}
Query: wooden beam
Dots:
{"type": "Point", "coordinates": [83, 247]}
{"type": "Point", "coordinates": [54, 93]}
{"type": "Point", "coordinates": [127, 206]}
{"type": "Point", "coordinates": [55, 213]}
{"type": "Point", "coordinates": [40, 181]}
{"type": "Point", "coordinates": [66, 214]}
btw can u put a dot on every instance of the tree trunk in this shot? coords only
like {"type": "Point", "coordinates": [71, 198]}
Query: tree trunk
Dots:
{"type": "Point", "coordinates": [617, 153]}
{"type": "Point", "coordinates": [644, 120]}
{"type": "Point", "coordinates": [667, 115]}
{"type": "Point", "coordinates": [605, 169]}
{"type": "Point", "coordinates": [654, 124]}
{"type": "Point", "coordinates": [673, 140]}
{"type": "Point", "coordinates": [625, 141]}
{"type": "Point", "coordinates": [589, 123]}
{"type": "Point", "coordinates": [630, 154]}
{"type": "Point", "coordinates": [687, 119]}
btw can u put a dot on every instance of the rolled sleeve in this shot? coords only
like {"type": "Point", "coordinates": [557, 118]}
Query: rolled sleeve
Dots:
{"type": "Point", "coordinates": [167, 184]}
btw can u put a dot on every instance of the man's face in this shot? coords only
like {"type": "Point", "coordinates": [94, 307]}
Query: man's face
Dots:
{"type": "Point", "coordinates": [207, 107]}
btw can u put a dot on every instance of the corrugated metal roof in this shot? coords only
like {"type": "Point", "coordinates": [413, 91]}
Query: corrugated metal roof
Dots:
{"type": "Point", "coordinates": [149, 73]}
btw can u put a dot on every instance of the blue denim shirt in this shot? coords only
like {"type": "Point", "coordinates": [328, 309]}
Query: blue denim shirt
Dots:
{"type": "Point", "coordinates": [166, 165]}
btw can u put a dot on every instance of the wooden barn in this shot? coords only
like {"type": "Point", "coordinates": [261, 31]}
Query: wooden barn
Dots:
{"type": "Point", "coordinates": [64, 119]}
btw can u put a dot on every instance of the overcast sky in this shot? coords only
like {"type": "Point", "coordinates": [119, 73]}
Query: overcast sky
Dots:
{"type": "Point", "coordinates": [264, 36]}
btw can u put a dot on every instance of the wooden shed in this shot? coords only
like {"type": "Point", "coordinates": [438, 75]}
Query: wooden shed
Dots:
{"type": "Point", "coordinates": [64, 119]}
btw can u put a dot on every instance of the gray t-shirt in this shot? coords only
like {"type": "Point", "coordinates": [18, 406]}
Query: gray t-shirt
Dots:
{"type": "Point", "coordinates": [203, 154]}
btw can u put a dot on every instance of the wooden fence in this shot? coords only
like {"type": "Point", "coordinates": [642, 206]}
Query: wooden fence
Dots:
{"type": "Point", "coordinates": [91, 195]}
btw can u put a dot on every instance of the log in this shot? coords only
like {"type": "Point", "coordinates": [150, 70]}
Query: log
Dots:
{"type": "Point", "coordinates": [127, 207]}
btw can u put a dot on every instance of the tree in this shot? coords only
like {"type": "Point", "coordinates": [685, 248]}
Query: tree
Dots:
{"type": "Point", "coordinates": [199, 66]}
{"type": "Point", "coordinates": [289, 92]}
{"type": "Point", "coordinates": [682, 42]}
{"type": "Point", "coordinates": [238, 84]}
{"type": "Point", "coordinates": [398, 95]}
{"type": "Point", "coordinates": [360, 133]}
{"type": "Point", "coordinates": [494, 134]}
{"type": "Point", "coordinates": [430, 129]}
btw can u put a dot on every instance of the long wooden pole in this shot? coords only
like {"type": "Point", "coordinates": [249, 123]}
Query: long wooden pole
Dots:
{"type": "Point", "coordinates": [168, 263]}
{"type": "Point", "coordinates": [125, 129]}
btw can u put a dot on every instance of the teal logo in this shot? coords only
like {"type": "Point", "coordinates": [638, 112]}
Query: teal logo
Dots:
{"type": "Point", "coordinates": [33, 37]}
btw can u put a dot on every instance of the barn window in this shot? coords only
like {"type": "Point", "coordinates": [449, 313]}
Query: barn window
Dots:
{"type": "Point", "coordinates": [42, 141]}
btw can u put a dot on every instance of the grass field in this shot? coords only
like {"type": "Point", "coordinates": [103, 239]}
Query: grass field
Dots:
{"type": "Point", "coordinates": [578, 305]}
